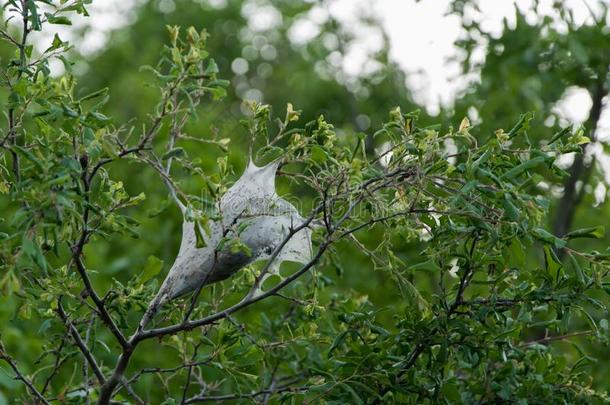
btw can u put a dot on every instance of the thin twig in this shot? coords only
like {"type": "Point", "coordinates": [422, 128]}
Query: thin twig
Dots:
{"type": "Point", "coordinates": [550, 339]}
{"type": "Point", "coordinates": [252, 395]}
{"type": "Point", "coordinates": [19, 376]}
{"type": "Point", "coordinates": [79, 342]}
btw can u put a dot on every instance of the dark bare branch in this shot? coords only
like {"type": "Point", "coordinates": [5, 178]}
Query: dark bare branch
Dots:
{"type": "Point", "coordinates": [80, 343]}
{"type": "Point", "coordinates": [19, 375]}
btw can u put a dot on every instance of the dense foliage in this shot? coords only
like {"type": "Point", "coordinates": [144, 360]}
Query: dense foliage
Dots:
{"type": "Point", "coordinates": [433, 277]}
{"type": "Point", "coordinates": [532, 66]}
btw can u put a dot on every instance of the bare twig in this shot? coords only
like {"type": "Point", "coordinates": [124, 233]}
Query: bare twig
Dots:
{"type": "Point", "coordinates": [79, 342]}
{"type": "Point", "coordinates": [77, 252]}
{"type": "Point", "coordinates": [58, 363]}
{"type": "Point", "coordinates": [101, 307]}
{"type": "Point", "coordinates": [19, 375]}
{"type": "Point", "coordinates": [252, 395]}
{"type": "Point", "coordinates": [170, 369]}
{"type": "Point", "coordinates": [550, 339]}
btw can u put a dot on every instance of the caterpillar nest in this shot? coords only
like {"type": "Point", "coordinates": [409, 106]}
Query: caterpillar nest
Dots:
{"type": "Point", "coordinates": [253, 214]}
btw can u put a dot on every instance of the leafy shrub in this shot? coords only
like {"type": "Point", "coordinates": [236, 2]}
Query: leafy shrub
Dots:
{"type": "Point", "coordinates": [473, 316]}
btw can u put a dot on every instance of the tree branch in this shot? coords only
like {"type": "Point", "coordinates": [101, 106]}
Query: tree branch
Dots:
{"type": "Point", "coordinates": [19, 376]}
{"type": "Point", "coordinates": [101, 307]}
{"type": "Point", "coordinates": [252, 395]}
{"type": "Point", "coordinates": [549, 339]}
{"type": "Point", "coordinates": [77, 252]}
{"type": "Point", "coordinates": [79, 342]}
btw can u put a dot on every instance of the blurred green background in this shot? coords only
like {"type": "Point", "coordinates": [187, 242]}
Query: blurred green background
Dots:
{"type": "Point", "coordinates": [549, 59]}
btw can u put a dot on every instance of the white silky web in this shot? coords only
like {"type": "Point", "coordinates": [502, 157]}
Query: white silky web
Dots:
{"type": "Point", "coordinates": [251, 211]}
{"type": "Point", "coordinates": [253, 199]}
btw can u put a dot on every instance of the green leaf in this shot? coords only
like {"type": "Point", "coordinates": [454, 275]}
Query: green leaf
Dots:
{"type": "Point", "coordinates": [152, 268]}
{"type": "Point", "coordinates": [99, 116]}
{"type": "Point", "coordinates": [517, 253]}
{"type": "Point", "coordinates": [337, 342]}
{"type": "Point", "coordinates": [270, 153]}
{"type": "Point", "coordinates": [511, 212]}
{"type": "Point", "coordinates": [175, 152]}
{"type": "Point", "coordinates": [98, 93]}
{"type": "Point", "coordinates": [596, 232]}
{"type": "Point", "coordinates": [552, 262]}
{"type": "Point", "coordinates": [523, 167]}
{"type": "Point", "coordinates": [211, 69]}
{"type": "Point", "coordinates": [579, 138]}
{"type": "Point", "coordinates": [33, 251]}
{"type": "Point", "coordinates": [238, 246]}
{"type": "Point", "coordinates": [55, 19]}
{"type": "Point", "coordinates": [57, 42]}
{"type": "Point", "coordinates": [70, 112]}
{"type": "Point", "coordinates": [25, 311]}
{"type": "Point", "coordinates": [560, 134]}
{"type": "Point", "coordinates": [580, 276]}
{"type": "Point", "coordinates": [34, 17]}
{"type": "Point", "coordinates": [200, 241]}
{"type": "Point", "coordinates": [521, 125]}
{"type": "Point", "coordinates": [468, 187]}
{"type": "Point", "coordinates": [67, 64]}
{"type": "Point", "coordinates": [545, 236]}
{"type": "Point", "coordinates": [482, 159]}
{"type": "Point", "coordinates": [318, 154]}
{"type": "Point", "coordinates": [45, 326]}
{"type": "Point", "coordinates": [217, 93]}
